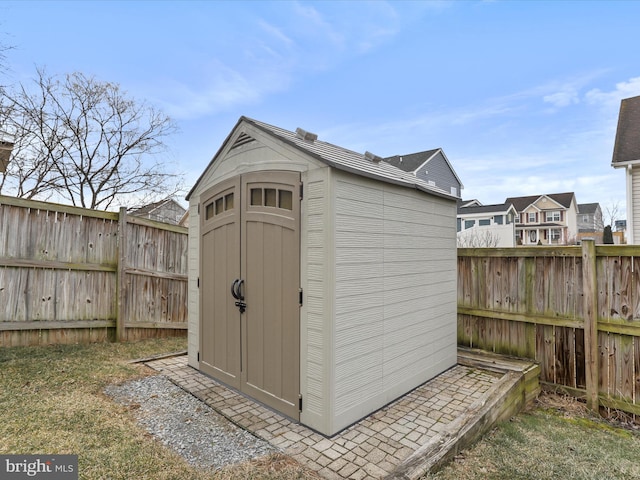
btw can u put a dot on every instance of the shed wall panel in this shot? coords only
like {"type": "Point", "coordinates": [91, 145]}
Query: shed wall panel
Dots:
{"type": "Point", "coordinates": [314, 333]}
{"type": "Point", "coordinates": [193, 336]}
{"type": "Point", "coordinates": [395, 313]}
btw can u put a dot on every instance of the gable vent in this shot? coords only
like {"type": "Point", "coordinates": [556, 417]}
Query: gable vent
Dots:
{"type": "Point", "coordinates": [307, 136]}
{"type": "Point", "coordinates": [372, 158]}
{"type": "Point", "coordinates": [243, 139]}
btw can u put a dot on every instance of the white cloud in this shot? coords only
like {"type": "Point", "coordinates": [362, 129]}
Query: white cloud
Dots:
{"type": "Point", "coordinates": [562, 99]}
{"type": "Point", "coordinates": [625, 89]}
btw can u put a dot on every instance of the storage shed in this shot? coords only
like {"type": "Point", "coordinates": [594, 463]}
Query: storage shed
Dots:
{"type": "Point", "coordinates": [322, 281]}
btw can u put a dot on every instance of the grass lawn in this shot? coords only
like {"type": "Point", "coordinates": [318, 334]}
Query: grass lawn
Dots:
{"type": "Point", "coordinates": [557, 439]}
{"type": "Point", "coordinates": [52, 402]}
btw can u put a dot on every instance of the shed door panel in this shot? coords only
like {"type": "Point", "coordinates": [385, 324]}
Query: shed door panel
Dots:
{"type": "Point", "coordinates": [256, 238]}
{"type": "Point", "coordinates": [271, 267]}
{"type": "Point", "coordinates": [220, 353]}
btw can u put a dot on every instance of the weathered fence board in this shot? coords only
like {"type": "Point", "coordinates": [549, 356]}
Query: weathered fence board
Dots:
{"type": "Point", "coordinates": [71, 275]}
{"type": "Point", "coordinates": [537, 303]}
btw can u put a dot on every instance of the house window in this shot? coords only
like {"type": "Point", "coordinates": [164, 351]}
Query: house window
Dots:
{"type": "Point", "coordinates": [497, 219]}
{"type": "Point", "coordinates": [555, 234]}
{"type": "Point", "coordinates": [459, 224]}
{"type": "Point", "coordinates": [553, 216]}
{"type": "Point", "coordinates": [469, 223]}
{"type": "Point", "coordinates": [454, 191]}
{"type": "Point", "coordinates": [532, 218]}
{"type": "Point", "coordinates": [484, 222]}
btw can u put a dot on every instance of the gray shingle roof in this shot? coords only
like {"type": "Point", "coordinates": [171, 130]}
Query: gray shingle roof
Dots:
{"type": "Point", "coordinates": [520, 203]}
{"type": "Point", "coordinates": [627, 144]}
{"type": "Point", "coordinates": [340, 158]}
{"type": "Point", "coordinates": [496, 208]}
{"type": "Point", "coordinates": [588, 208]}
{"type": "Point", "coordinates": [412, 161]}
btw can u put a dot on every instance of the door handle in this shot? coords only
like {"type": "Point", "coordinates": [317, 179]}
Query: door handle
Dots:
{"type": "Point", "coordinates": [234, 286]}
{"type": "Point", "coordinates": [239, 290]}
{"type": "Point", "coordinates": [236, 292]}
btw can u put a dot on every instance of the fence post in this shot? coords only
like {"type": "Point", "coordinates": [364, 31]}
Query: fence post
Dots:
{"type": "Point", "coordinates": [590, 299]}
{"type": "Point", "coordinates": [121, 288]}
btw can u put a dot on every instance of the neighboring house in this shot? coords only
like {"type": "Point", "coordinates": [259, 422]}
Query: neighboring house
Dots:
{"type": "Point", "coordinates": [590, 221]}
{"type": "Point", "coordinates": [546, 219]}
{"type": "Point", "coordinates": [433, 167]}
{"type": "Point", "coordinates": [619, 232]}
{"type": "Point", "coordinates": [486, 225]}
{"type": "Point", "coordinates": [166, 211]}
{"type": "Point", "coordinates": [5, 154]}
{"type": "Point", "coordinates": [626, 154]}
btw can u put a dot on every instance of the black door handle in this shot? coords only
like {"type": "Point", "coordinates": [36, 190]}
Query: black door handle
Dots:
{"type": "Point", "coordinates": [234, 286]}
{"type": "Point", "coordinates": [239, 290]}
{"type": "Point", "coordinates": [236, 292]}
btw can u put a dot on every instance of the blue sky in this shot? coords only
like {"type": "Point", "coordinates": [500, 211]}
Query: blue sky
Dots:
{"type": "Point", "coordinates": [522, 96]}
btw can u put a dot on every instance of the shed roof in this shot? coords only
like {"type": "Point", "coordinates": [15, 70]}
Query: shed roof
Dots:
{"type": "Point", "coordinates": [627, 145]}
{"type": "Point", "coordinates": [366, 165]}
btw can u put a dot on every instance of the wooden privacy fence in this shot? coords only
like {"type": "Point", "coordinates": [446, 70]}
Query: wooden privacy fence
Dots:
{"type": "Point", "coordinates": [575, 310]}
{"type": "Point", "coordinates": [72, 275]}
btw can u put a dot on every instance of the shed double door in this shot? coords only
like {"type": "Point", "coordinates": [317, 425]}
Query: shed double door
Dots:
{"type": "Point", "coordinates": [249, 287]}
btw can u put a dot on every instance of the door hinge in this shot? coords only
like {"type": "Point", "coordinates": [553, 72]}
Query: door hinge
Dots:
{"type": "Point", "coordinates": [198, 356]}
{"type": "Point", "coordinates": [300, 402]}
{"type": "Point", "coordinates": [198, 282]}
{"type": "Point", "coordinates": [301, 191]}
{"type": "Point", "coordinates": [198, 209]}
{"type": "Point", "coordinates": [300, 296]}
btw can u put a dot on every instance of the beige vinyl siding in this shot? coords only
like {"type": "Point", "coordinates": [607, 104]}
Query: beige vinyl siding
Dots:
{"type": "Point", "coordinates": [359, 311]}
{"type": "Point", "coordinates": [315, 350]}
{"type": "Point", "coordinates": [193, 340]}
{"type": "Point", "coordinates": [395, 293]}
{"type": "Point", "coordinates": [635, 196]}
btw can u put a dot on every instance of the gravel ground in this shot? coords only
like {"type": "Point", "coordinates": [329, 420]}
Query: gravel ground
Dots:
{"type": "Point", "coordinates": [187, 425]}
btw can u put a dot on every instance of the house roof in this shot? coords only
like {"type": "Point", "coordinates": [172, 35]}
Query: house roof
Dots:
{"type": "Point", "coordinates": [588, 208]}
{"type": "Point", "coordinates": [627, 145]}
{"type": "Point", "coordinates": [413, 161]}
{"type": "Point", "coordinates": [367, 164]}
{"type": "Point", "coordinates": [521, 203]}
{"type": "Point", "coordinates": [152, 207]}
{"type": "Point", "coordinates": [496, 208]}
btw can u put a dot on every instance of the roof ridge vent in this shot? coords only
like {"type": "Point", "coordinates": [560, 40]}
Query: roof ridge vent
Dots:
{"type": "Point", "coordinates": [372, 157]}
{"type": "Point", "coordinates": [306, 136]}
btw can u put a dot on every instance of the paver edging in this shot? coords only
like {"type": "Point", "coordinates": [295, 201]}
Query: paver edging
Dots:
{"type": "Point", "coordinates": [504, 400]}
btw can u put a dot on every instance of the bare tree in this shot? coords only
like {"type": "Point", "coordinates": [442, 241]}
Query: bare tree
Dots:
{"type": "Point", "coordinates": [610, 214]}
{"type": "Point", "coordinates": [85, 142]}
{"type": "Point", "coordinates": [475, 238]}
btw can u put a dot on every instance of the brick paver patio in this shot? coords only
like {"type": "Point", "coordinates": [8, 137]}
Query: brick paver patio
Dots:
{"type": "Point", "coordinates": [369, 449]}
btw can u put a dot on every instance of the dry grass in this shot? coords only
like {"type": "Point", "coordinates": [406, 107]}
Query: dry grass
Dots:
{"type": "Point", "coordinates": [52, 401]}
{"type": "Point", "coordinates": [558, 438]}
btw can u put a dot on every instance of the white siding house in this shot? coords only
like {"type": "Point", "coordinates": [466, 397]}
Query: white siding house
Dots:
{"type": "Point", "coordinates": [377, 274]}
{"type": "Point", "coordinates": [626, 154]}
{"type": "Point", "coordinates": [486, 225]}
